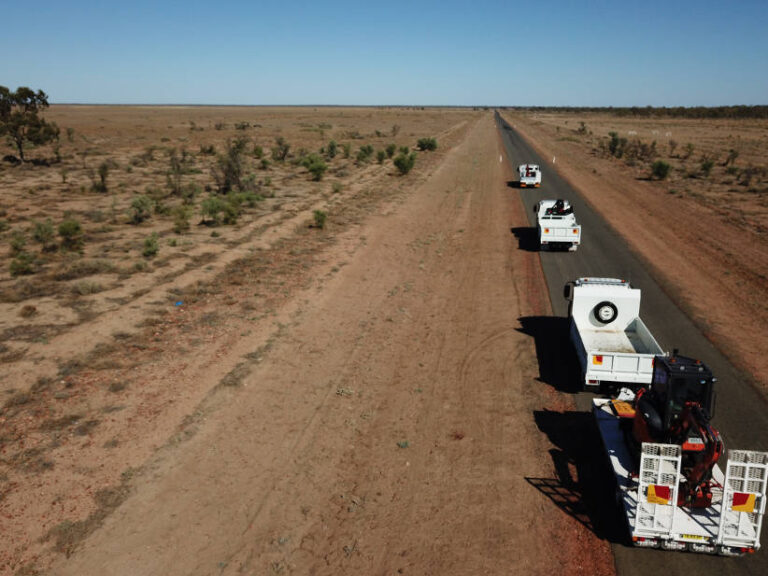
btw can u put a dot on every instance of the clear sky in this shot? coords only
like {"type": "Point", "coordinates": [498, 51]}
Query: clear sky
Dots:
{"type": "Point", "coordinates": [473, 52]}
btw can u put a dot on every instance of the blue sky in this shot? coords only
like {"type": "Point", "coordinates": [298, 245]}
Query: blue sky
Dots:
{"type": "Point", "coordinates": [551, 52]}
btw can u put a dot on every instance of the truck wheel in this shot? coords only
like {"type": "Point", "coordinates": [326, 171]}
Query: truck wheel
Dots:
{"type": "Point", "coordinates": [605, 312]}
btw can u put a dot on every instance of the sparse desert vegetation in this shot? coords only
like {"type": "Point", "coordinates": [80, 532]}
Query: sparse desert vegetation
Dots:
{"type": "Point", "coordinates": [131, 223]}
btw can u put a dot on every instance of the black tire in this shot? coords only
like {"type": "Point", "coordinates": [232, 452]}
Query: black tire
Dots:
{"type": "Point", "coordinates": [605, 312]}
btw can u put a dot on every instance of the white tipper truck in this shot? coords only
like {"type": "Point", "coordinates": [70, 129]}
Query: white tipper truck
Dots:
{"type": "Point", "coordinates": [530, 175]}
{"type": "Point", "coordinates": [556, 225]}
{"type": "Point", "coordinates": [612, 343]}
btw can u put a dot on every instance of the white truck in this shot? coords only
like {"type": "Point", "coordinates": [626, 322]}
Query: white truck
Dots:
{"type": "Point", "coordinates": [612, 343]}
{"type": "Point", "coordinates": [530, 175]}
{"type": "Point", "coordinates": [556, 225]}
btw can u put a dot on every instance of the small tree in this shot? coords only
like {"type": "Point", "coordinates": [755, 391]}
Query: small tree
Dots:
{"type": "Point", "coordinates": [731, 158]}
{"type": "Point", "coordinates": [706, 165]}
{"type": "Point", "coordinates": [229, 168]}
{"type": "Point", "coordinates": [660, 170]}
{"type": "Point", "coordinates": [672, 146]}
{"type": "Point", "coordinates": [175, 171]}
{"type": "Point", "coordinates": [20, 119]}
{"type": "Point", "coordinates": [391, 149]}
{"type": "Point", "coordinates": [405, 162]}
{"type": "Point", "coordinates": [280, 150]}
{"type": "Point", "coordinates": [381, 156]}
{"type": "Point", "coordinates": [101, 185]}
{"type": "Point", "coordinates": [689, 148]}
{"type": "Point", "coordinates": [347, 149]}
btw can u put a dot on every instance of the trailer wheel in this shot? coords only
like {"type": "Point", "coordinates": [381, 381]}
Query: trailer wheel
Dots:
{"type": "Point", "coordinates": [605, 312]}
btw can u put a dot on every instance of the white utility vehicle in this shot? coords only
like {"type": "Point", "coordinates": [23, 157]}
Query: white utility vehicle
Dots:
{"type": "Point", "coordinates": [556, 225]}
{"type": "Point", "coordinates": [530, 175]}
{"type": "Point", "coordinates": [611, 341]}
{"type": "Point", "coordinates": [664, 453]}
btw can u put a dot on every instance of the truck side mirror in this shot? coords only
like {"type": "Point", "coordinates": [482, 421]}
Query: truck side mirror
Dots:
{"type": "Point", "coordinates": [568, 291]}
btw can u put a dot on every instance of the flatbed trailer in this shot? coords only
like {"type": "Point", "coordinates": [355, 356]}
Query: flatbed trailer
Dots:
{"type": "Point", "coordinates": [647, 493]}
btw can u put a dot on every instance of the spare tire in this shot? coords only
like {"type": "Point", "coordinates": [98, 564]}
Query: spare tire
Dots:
{"type": "Point", "coordinates": [605, 312]}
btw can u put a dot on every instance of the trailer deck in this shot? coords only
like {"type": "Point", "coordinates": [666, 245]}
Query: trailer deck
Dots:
{"type": "Point", "coordinates": [648, 495]}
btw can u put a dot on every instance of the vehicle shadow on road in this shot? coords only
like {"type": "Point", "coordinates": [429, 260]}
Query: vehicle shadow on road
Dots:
{"type": "Point", "coordinates": [558, 365]}
{"type": "Point", "coordinates": [583, 487]}
{"type": "Point", "coordinates": [526, 238]}
{"type": "Point", "coordinates": [513, 184]}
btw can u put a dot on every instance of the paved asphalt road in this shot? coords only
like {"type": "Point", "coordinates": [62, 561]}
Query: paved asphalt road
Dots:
{"type": "Point", "coordinates": [741, 411]}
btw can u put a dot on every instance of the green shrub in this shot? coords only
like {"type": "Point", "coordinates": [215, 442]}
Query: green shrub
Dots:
{"type": "Point", "coordinates": [706, 166]}
{"type": "Point", "coordinates": [320, 218]}
{"type": "Point", "coordinates": [71, 234]}
{"type": "Point", "coordinates": [190, 192]}
{"type": "Point", "coordinates": [231, 211]}
{"type": "Point", "coordinates": [140, 210]}
{"type": "Point", "coordinates": [264, 164]}
{"type": "Point", "coordinates": [660, 170]}
{"type": "Point", "coordinates": [364, 153]}
{"type": "Point", "coordinates": [23, 264]}
{"type": "Point", "coordinates": [151, 246]}
{"type": "Point", "coordinates": [333, 149]}
{"type": "Point", "coordinates": [616, 145]}
{"type": "Point", "coordinates": [207, 149]}
{"type": "Point", "coordinates": [381, 156]}
{"type": "Point", "coordinates": [689, 148]}
{"type": "Point", "coordinates": [424, 144]}
{"type": "Point", "coordinates": [315, 165]}
{"type": "Point", "coordinates": [347, 149]}
{"type": "Point", "coordinates": [258, 152]}
{"type": "Point", "coordinates": [181, 219]}
{"type": "Point", "coordinates": [390, 150]}
{"type": "Point", "coordinates": [405, 162]}
{"type": "Point", "coordinates": [217, 210]}
{"type": "Point", "coordinates": [336, 188]}
{"type": "Point", "coordinates": [45, 234]}
{"type": "Point", "coordinates": [18, 242]}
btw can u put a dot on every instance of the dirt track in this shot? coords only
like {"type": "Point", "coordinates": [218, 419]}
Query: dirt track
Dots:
{"type": "Point", "coordinates": [390, 429]}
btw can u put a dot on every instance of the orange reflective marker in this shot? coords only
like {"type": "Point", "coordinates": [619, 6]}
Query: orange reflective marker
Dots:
{"type": "Point", "coordinates": [743, 502]}
{"type": "Point", "coordinates": [658, 494]}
